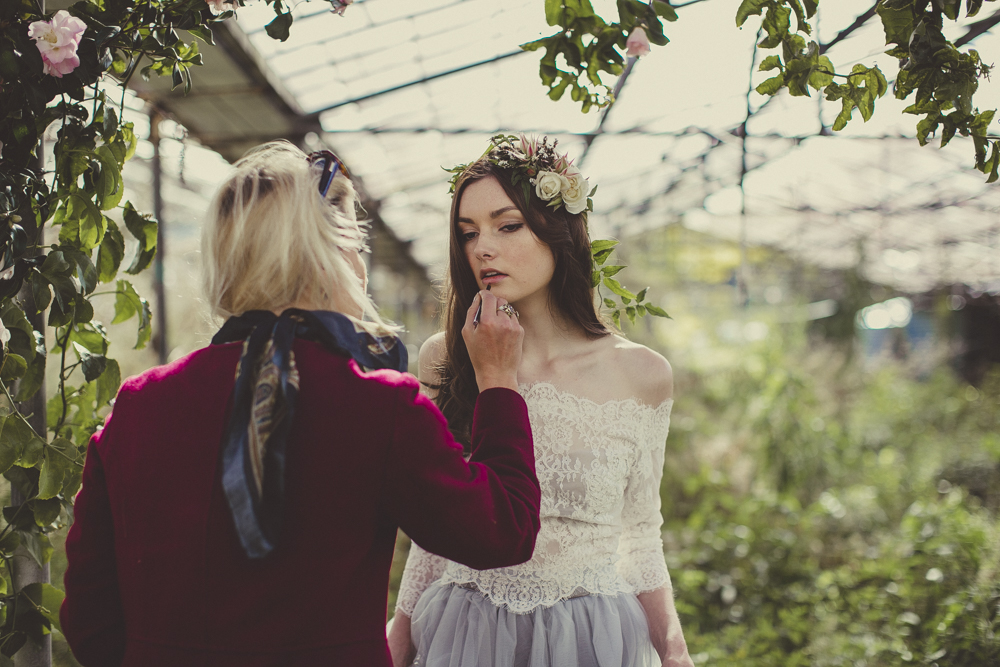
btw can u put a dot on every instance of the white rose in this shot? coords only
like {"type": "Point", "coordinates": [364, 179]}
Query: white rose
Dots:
{"type": "Point", "coordinates": [574, 193]}
{"type": "Point", "coordinates": [548, 184]}
{"type": "Point", "coordinates": [4, 334]}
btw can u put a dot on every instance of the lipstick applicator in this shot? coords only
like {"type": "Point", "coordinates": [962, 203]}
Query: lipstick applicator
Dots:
{"type": "Point", "coordinates": [479, 311]}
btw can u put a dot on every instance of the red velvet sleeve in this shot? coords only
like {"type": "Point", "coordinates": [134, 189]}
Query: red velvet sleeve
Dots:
{"type": "Point", "coordinates": [484, 513]}
{"type": "Point", "coordinates": [91, 616]}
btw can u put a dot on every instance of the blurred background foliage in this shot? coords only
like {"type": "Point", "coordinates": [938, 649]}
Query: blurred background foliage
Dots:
{"type": "Point", "coordinates": [828, 500]}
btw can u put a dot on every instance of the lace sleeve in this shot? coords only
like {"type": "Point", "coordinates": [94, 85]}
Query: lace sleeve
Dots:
{"type": "Point", "coordinates": [641, 562]}
{"type": "Point", "coordinates": [422, 569]}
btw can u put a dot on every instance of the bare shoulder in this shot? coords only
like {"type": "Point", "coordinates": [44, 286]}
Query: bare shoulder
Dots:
{"type": "Point", "coordinates": [648, 372]}
{"type": "Point", "coordinates": [432, 354]}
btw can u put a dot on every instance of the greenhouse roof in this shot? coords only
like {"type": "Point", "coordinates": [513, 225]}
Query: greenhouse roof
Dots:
{"type": "Point", "coordinates": [401, 89]}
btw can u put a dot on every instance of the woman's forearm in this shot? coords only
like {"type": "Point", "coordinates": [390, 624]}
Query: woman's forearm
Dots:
{"type": "Point", "coordinates": [400, 645]}
{"type": "Point", "coordinates": [665, 627]}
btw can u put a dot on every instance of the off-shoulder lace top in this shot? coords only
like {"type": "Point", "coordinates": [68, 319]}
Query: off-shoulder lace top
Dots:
{"type": "Point", "coordinates": [599, 466]}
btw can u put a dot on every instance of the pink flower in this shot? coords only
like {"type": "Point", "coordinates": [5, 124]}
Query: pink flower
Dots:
{"type": "Point", "coordinates": [529, 146]}
{"type": "Point", "coordinates": [339, 6]}
{"type": "Point", "coordinates": [219, 6]}
{"type": "Point", "coordinates": [637, 43]}
{"type": "Point", "coordinates": [57, 41]}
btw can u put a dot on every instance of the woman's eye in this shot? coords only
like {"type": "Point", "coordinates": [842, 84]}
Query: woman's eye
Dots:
{"type": "Point", "coordinates": [513, 227]}
{"type": "Point", "coordinates": [468, 236]}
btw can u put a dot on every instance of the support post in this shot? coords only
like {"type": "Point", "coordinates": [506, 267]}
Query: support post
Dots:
{"type": "Point", "coordinates": [24, 569]}
{"type": "Point", "coordinates": [160, 321]}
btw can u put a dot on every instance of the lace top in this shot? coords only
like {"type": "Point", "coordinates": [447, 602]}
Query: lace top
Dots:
{"type": "Point", "coordinates": [599, 466]}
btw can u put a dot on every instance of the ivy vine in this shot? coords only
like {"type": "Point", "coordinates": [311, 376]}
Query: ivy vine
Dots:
{"type": "Point", "coordinates": [55, 278]}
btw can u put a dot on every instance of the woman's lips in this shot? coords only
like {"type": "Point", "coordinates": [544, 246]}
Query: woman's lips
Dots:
{"type": "Point", "coordinates": [493, 279]}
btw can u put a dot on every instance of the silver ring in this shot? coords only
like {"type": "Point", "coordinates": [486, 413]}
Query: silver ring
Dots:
{"type": "Point", "coordinates": [509, 309]}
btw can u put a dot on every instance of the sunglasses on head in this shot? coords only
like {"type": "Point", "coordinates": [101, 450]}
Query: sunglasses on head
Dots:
{"type": "Point", "coordinates": [331, 165]}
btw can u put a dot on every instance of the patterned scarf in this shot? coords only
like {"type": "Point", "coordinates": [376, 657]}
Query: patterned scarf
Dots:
{"type": "Point", "coordinates": [263, 407]}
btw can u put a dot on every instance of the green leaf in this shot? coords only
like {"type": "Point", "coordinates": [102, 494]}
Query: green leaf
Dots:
{"type": "Point", "coordinates": [993, 164]}
{"type": "Point", "coordinates": [630, 311]}
{"type": "Point", "coordinates": [93, 364]}
{"type": "Point", "coordinates": [602, 256]}
{"type": "Point", "coordinates": [897, 23]}
{"type": "Point", "coordinates": [47, 599]}
{"type": "Point", "coordinates": [641, 295]}
{"type": "Point", "coordinates": [616, 317]}
{"type": "Point", "coordinates": [20, 517]}
{"type": "Point", "coordinates": [640, 310]}
{"type": "Point", "coordinates": [109, 184]}
{"type": "Point", "coordinates": [21, 434]}
{"type": "Point", "coordinates": [92, 336]}
{"type": "Point", "coordinates": [553, 11]}
{"type": "Point", "coordinates": [57, 458]}
{"type": "Point", "coordinates": [46, 511]}
{"type": "Point", "coordinates": [800, 19]}
{"type": "Point", "coordinates": [617, 288]}
{"type": "Point", "coordinates": [142, 227]}
{"type": "Point", "coordinates": [203, 33]}
{"type": "Point", "coordinates": [770, 63]}
{"type": "Point", "coordinates": [845, 115]}
{"type": "Point", "coordinates": [776, 23]}
{"type": "Point", "coordinates": [278, 28]}
{"type": "Point", "coordinates": [38, 546]}
{"type": "Point", "coordinates": [110, 253]}
{"type": "Point", "coordinates": [611, 270]}
{"type": "Point", "coordinates": [86, 272]}
{"type": "Point", "coordinates": [129, 303]}
{"type": "Point", "coordinates": [131, 141]}
{"type": "Point", "coordinates": [664, 10]}
{"type": "Point", "coordinates": [141, 261]}
{"type": "Point", "coordinates": [14, 366]}
{"type": "Point", "coordinates": [747, 9]}
{"type": "Point", "coordinates": [10, 447]}
{"type": "Point", "coordinates": [60, 315]}
{"type": "Point", "coordinates": [657, 311]}
{"type": "Point", "coordinates": [108, 383]}
{"type": "Point", "coordinates": [771, 86]}
{"type": "Point", "coordinates": [602, 244]}
{"type": "Point", "coordinates": [822, 75]}
{"type": "Point", "coordinates": [40, 291]}
{"type": "Point", "coordinates": [110, 127]}
{"type": "Point", "coordinates": [8, 543]}
{"type": "Point", "coordinates": [32, 380]}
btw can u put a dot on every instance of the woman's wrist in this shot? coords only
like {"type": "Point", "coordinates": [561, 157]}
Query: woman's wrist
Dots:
{"type": "Point", "coordinates": [492, 380]}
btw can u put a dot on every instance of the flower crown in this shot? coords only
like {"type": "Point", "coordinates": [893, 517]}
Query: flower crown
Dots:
{"type": "Point", "coordinates": [536, 165]}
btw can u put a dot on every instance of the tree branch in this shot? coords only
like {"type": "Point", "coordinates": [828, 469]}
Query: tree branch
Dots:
{"type": "Point", "coordinates": [846, 32]}
{"type": "Point", "coordinates": [978, 28]}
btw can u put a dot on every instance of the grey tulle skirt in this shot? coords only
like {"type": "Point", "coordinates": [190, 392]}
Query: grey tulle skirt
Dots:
{"type": "Point", "coordinates": [458, 627]}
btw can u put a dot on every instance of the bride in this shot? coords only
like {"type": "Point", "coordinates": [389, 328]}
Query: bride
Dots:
{"type": "Point", "coordinates": [596, 591]}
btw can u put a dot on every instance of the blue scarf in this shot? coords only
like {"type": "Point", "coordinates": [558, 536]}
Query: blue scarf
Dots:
{"type": "Point", "coordinates": [263, 407]}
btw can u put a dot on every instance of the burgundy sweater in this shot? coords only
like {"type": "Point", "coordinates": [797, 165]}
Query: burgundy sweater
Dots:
{"type": "Point", "coordinates": [156, 573]}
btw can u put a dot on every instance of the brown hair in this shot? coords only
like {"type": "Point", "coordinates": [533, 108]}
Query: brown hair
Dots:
{"type": "Point", "coordinates": [570, 291]}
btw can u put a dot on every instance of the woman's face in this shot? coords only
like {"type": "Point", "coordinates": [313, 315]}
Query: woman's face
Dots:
{"type": "Point", "coordinates": [501, 249]}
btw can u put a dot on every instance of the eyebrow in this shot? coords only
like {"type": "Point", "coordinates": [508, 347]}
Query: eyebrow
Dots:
{"type": "Point", "coordinates": [493, 216]}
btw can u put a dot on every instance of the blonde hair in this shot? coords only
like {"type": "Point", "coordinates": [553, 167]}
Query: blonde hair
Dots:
{"type": "Point", "coordinates": [271, 241]}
